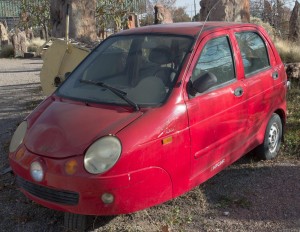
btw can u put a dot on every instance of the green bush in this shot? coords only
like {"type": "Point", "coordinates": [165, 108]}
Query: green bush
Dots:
{"type": "Point", "coordinates": [7, 51]}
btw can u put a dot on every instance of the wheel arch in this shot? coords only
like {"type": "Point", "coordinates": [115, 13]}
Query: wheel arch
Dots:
{"type": "Point", "coordinates": [281, 113]}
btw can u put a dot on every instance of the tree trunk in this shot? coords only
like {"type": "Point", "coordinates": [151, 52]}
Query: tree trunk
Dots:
{"type": "Point", "coordinates": [82, 19]}
{"type": "Point", "coordinates": [225, 10]}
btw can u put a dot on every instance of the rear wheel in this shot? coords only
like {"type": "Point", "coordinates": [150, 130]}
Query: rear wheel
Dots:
{"type": "Point", "coordinates": [272, 140]}
{"type": "Point", "coordinates": [75, 222]}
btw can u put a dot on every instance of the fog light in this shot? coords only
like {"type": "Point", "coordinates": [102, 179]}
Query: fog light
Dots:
{"type": "Point", "coordinates": [107, 198]}
{"type": "Point", "coordinates": [36, 171]}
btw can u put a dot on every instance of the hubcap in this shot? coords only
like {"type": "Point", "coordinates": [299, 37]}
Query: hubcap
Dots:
{"type": "Point", "coordinates": [273, 137]}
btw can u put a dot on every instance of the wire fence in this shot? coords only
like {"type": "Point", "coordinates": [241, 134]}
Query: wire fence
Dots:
{"type": "Point", "coordinates": [9, 8]}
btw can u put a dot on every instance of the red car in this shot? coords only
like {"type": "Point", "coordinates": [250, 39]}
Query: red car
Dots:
{"type": "Point", "coordinates": [151, 113]}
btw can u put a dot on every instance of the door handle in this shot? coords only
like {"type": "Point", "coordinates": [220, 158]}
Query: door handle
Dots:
{"type": "Point", "coordinates": [238, 91]}
{"type": "Point", "coordinates": [275, 75]}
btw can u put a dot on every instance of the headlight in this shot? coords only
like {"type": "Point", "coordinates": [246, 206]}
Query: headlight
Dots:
{"type": "Point", "coordinates": [102, 155]}
{"type": "Point", "coordinates": [18, 137]}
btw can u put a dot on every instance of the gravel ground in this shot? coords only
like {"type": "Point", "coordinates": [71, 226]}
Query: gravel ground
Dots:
{"type": "Point", "coordinates": [247, 196]}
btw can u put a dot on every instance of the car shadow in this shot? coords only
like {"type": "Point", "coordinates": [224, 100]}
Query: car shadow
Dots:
{"type": "Point", "coordinates": [257, 191]}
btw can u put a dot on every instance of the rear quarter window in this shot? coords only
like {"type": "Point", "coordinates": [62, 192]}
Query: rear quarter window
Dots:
{"type": "Point", "coordinates": [254, 52]}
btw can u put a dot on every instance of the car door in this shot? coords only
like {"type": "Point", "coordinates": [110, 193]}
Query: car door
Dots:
{"type": "Point", "coordinates": [261, 76]}
{"type": "Point", "coordinates": [218, 116]}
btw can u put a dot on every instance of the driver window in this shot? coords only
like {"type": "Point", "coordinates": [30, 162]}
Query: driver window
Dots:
{"type": "Point", "coordinates": [216, 58]}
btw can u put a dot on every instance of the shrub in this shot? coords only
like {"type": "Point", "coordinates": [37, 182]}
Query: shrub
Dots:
{"type": "Point", "coordinates": [35, 44]}
{"type": "Point", "coordinates": [7, 51]}
{"type": "Point", "coordinates": [271, 31]}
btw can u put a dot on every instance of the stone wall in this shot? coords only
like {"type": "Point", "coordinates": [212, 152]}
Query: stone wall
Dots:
{"type": "Point", "coordinates": [225, 10]}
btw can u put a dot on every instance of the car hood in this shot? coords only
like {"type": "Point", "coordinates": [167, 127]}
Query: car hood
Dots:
{"type": "Point", "coordinates": [67, 129]}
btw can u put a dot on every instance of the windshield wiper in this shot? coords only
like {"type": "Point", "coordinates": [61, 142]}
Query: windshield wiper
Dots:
{"type": "Point", "coordinates": [116, 91]}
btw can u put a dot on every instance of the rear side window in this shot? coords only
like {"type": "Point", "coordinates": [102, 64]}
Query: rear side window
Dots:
{"type": "Point", "coordinates": [216, 58]}
{"type": "Point", "coordinates": [254, 52]}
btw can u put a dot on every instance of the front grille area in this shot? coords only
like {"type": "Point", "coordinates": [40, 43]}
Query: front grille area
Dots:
{"type": "Point", "coordinates": [48, 194]}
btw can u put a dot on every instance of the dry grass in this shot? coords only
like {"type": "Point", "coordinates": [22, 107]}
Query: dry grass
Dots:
{"type": "Point", "coordinates": [288, 51]}
{"type": "Point", "coordinates": [35, 44]}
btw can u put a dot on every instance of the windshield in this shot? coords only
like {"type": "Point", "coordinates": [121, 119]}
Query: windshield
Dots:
{"type": "Point", "coordinates": [143, 68]}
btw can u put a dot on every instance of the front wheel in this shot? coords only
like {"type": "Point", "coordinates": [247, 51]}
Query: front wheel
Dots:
{"type": "Point", "coordinates": [272, 140]}
{"type": "Point", "coordinates": [75, 222]}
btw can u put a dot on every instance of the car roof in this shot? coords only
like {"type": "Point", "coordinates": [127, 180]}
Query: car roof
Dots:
{"type": "Point", "coordinates": [187, 28]}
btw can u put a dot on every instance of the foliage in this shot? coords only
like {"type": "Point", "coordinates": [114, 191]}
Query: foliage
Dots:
{"type": "Point", "coordinates": [266, 26]}
{"type": "Point", "coordinates": [35, 13]}
{"type": "Point", "coordinates": [291, 144]}
{"type": "Point", "coordinates": [147, 19]}
{"type": "Point", "coordinates": [109, 11]}
{"type": "Point", "coordinates": [179, 15]}
{"type": "Point", "coordinates": [276, 13]}
{"type": "Point", "coordinates": [7, 51]}
{"type": "Point", "coordinates": [196, 18]}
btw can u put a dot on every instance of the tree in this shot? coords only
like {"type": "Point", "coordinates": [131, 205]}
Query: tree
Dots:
{"type": "Point", "coordinates": [111, 13]}
{"type": "Point", "coordinates": [35, 13]}
{"type": "Point", "coordinates": [179, 15]}
{"type": "Point", "coordinates": [82, 19]}
{"type": "Point", "coordinates": [196, 18]}
{"type": "Point", "coordinates": [148, 16]}
{"type": "Point", "coordinates": [274, 12]}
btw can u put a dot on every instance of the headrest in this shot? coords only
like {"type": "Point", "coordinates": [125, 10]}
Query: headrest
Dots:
{"type": "Point", "coordinates": [150, 90]}
{"type": "Point", "coordinates": [160, 55]}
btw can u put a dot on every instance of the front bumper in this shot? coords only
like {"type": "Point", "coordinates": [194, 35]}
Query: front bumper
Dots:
{"type": "Point", "coordinates": [81, 192]}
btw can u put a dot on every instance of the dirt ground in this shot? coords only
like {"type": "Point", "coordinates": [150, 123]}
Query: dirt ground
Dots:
{"type": "Point", "coordinates": [248, 196]}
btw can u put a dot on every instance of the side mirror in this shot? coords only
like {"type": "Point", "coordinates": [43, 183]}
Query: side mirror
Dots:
{"type": "Point", "coordinates": [203, 83]}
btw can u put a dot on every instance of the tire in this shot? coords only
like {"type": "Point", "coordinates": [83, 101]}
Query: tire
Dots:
{"type": "Point", "coordinates": [75, 222]}
{"type": "Point", "coordinates": [272, 140]}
